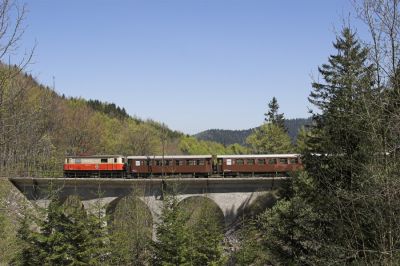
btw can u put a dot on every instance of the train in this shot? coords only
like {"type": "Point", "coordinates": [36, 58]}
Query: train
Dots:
{"type": "Point", "coordinates": [119, 166]}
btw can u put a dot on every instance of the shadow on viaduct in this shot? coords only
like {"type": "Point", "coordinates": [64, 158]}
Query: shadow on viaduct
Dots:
{"type": "Point", "coordinates": [231, 195]}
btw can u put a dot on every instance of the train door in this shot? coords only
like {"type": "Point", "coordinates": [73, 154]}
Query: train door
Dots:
{"type": "Point", "coordinates": [219, 166]}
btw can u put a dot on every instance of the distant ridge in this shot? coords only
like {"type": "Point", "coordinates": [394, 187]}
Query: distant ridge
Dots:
{"type": "Point", "coordinates": [228, 137]}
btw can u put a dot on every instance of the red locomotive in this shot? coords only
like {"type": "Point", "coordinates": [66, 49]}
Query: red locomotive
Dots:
{"type": "Point", "coordinates": [95, 166]}
{"type": "Point", "coordinates": [181, 165]}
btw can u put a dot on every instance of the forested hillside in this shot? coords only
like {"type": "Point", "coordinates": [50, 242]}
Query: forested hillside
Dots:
{"type": "Point", "coordinates": [228, 137]}
{"type": "Point", "coordinates": [39, 128]}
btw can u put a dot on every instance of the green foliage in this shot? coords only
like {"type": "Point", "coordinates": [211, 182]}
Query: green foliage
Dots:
{"type": "Point", "coordinates": [190, 145]}
{"type": "Point", "coordinates": [229, 137]}
{"type": "Point", "coordinates": [251, 251]}
{"type": "Point", "coordinates": [172, 235]}
{"type": "Point", "coordinates": [236, 149]}
{"type": "Point", "coordinates": [130, 232]}
{"type": "Point", "coordinates": [302, 139]}
{"type": "Point", "coordinates": [108, 108]}
{"type": "Point", "coordinates": [270, 138]}
{"type": "Point", "coordinates": [67, 236]}
{"type": "Point", "coordinates": [189, 233]}
{"type": "Point", "coordinates": [9, 221]}
{"type": "Point", "coordinates": [205, 227]}
{"type": "Point", "coordinates": [272, 116]}
{"type": "Point", "coordinates": [341, 210]}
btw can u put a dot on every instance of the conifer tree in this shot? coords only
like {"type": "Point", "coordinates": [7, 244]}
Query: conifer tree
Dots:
{"type": "Point", "coordinates": [325, 219]}
{"type": "Point", "coordinates": [131, 232]}
{"type": "Point", "coordinates": [269, 138]}
{"type": "Point", "coordinates": [205, 232]}
{"type": "Point", "coordinates": [66, 237]}
{"type": "Point", "coordinates": [172, 247]}
{"type": "Point", "coordinates": [341, 129]}
{"type": "Point", "coordinates": [272, 116]}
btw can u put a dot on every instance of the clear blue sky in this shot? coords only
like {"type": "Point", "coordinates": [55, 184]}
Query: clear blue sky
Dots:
{"type": "Point", "coordinates": [193, 65]}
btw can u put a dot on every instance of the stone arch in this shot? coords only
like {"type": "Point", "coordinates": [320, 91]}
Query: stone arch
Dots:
{"type": "Point", "coordinates": [130, 210]}
{"type": "Point", "coordinates": [71, 201]}
{"type": "Point", "coordinates": [194, 204]}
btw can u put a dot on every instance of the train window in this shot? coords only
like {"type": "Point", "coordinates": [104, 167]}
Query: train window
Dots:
{"type": "Point", "coordinates": [250, 161]}
{"type": "Point", "coordinates": [190, 162]}
{"type": "Point", "coordinates": [77, 160]}
{"type": "Point", "coordinates": [179, 162]}
{"type": "Point", "coordinates": [200, 162]}
{"type": "Point", "coordinates": [123, 160]}
{"type": "Point", "coordinates": [219, 161]}
{"type": "Point", "coordinates": [283, 160]}
{"type": "Point", "coordinates": [294, 160]}
{"type": "Point", "coordinates": [272, 161]}
{"type": "Point", "coordinates": [261, 161]}
{"type": "Point", "coordinates": [137, 163]}
{"type": "Point", "coordinates": [115, 160]}
{"type": "Point", "coordinates": [103, 160]}
{"type": "Point", "coordinates": [158, 162]}
{"type": "Point", "coordinates": [239, 161]}
{"type": "Point", "coordinates": [228, 161]}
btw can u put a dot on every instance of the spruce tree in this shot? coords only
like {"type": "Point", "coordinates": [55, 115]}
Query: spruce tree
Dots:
{"type": "Point", "coordinates": [172, 246]}
{"type": "Point", "coordinates": [325, 219]}
{"type": "Point", "coordinates": [273, 116]}
{"type": "Point", "coordinates": [341, 131]}
{"type": "Point", "coordinates": [205, 231]}
{"type": "Point", "coordinates": [67, 236]}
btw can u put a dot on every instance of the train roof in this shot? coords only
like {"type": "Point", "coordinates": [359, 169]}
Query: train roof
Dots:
{"type": "Point", "coordinates": [159, 157]}
{"type": "Point", "coordinates": [95, 156]}
{"type": "Point", "coordinates": [237, 156]}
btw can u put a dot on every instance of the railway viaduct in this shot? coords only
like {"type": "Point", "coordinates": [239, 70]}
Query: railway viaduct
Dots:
{"type": "Point", "coordinates": [231, 195]}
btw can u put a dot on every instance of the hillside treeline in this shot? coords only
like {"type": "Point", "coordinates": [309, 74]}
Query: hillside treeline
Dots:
{"type": "Point", "coordinates": [229, 137]}
{"type": "Point", "coordinates": [38, 128]}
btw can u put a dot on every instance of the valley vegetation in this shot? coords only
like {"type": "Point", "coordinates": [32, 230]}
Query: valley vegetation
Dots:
{"type": "Point", "coordinates": [342, 209]}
